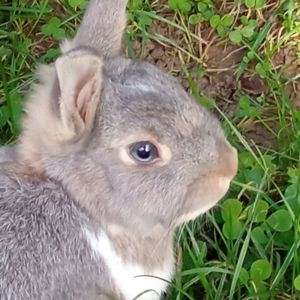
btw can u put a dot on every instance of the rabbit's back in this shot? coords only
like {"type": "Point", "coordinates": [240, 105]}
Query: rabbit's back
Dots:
{"type": "Point", "coordinates": [44, 254]}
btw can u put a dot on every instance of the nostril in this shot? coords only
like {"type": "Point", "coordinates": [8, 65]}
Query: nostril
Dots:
{"type": "Point", "coordinates": [228, 160]}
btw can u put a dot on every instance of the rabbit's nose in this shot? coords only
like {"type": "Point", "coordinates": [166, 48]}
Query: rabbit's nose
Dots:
{"type": "Point", "coordinates": [228, 160]}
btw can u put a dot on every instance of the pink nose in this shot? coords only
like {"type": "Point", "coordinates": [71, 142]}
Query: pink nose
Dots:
{"type": "Point", "coordinates": [228, 160]}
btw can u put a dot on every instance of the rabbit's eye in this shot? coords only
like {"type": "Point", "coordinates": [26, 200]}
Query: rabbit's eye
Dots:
{"type": "Point", "coordinates": [144, 152]}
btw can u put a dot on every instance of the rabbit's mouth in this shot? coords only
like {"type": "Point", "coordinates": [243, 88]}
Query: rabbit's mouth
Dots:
{"type": "Point", "coordinates": [202, 195]}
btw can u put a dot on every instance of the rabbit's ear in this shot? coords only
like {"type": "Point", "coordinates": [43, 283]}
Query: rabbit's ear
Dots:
{"type": "Point", "coordinates": [102, 28]}
{"type": "Point", "coordinates": [62, 107]}
{"type": "Point", "coordinates": [80, 80]}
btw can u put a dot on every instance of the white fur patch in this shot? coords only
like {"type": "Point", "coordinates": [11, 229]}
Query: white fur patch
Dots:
{"type": "Point", "coordinates": [66, 45]}
{"type": "Point", "coordinates": [129, 278]}
{"type": "Point", "coordinates": [142, 87]}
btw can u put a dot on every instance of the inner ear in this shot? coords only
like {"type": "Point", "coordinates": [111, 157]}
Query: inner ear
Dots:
{"type": "Point", "coordinates": [86, 91]}
{"type": "Point", "coordinates": [79, 76]}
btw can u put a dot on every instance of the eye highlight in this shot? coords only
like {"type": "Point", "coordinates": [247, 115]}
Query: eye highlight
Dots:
{"type": "Point", "coordinates": [144, 152]}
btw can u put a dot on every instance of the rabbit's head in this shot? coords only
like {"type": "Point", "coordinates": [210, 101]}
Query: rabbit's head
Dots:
{"type": "Point", "coordinates": [124, 137]}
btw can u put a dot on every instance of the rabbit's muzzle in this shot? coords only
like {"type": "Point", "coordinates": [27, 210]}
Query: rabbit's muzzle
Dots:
{"type": "Point", "coordinates": [206, 190]}
{"type": "Point", "coordinates": [224, 171]}
{"type": "Point", "coordinates": [228, 161]}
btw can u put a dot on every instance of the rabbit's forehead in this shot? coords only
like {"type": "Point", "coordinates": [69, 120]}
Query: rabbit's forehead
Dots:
{"type": "Point", "coordinates": [142, 107]}
{"type": "Point", "coordinates": [139, 96]}
{"type": "Point", "coordinates": [153, 113]}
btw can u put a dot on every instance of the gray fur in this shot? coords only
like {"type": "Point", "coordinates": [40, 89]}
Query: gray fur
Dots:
{"type": "Point", "coordinates": [102, 27]}
{"type": "Point", "coordinates": [76, 179]}
{"type": "Point", "coordinates": [42, 249]}
{"type": "Point", "coordinates": [7, 153]}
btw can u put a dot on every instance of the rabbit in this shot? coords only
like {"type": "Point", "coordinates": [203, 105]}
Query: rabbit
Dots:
{"type": "Point", "coordinates": [7, 153]}
{"type": "Point", "coordinates": [113, 156]}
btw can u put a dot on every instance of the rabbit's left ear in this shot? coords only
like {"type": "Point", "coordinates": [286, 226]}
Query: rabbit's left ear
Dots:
{"type": "Point", "coordinates": [79, 76]}
{"type": "Point", "coordinates": [62, 107]}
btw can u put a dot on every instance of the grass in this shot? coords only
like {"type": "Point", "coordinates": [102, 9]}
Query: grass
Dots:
{"type": "Point", "coordinates": [249, 247]}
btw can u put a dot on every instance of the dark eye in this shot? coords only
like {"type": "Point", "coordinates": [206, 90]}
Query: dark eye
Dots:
{"type": "Point", "coordinates": [144, 152]}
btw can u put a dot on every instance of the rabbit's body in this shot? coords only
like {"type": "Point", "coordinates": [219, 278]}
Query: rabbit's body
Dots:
{"type": "Point", "coordinates": [43, 250]}
{"type": "Point", "coordinates": [51, 249]}
{"type": "Point", "coordinates": [113, 156]}
{"type": "Point", "coordinates": [7, 154]}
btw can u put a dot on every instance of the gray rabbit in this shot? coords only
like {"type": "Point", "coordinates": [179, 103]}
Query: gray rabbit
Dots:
{"type": "Point", "coordinates": [113, 156]}
{"type": "Point", "coordinates": [7, 153]}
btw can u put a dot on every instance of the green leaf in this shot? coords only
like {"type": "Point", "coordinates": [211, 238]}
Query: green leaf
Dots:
{"type": "Point", "coordinates": [280, 221]}
{"type": "Point", "coordinates": [145, 20]}
{"type": "Point", "coordinates": [255, 3]}
{"type": "Point", "coordinates": [244, 102]}
{"type": "Point", "coordinates": [15, 108]}
{"type": "Point", "coordinates": [172, 4]}
{"type": "Point", "coordinates": [253, 23]}
{"type": "Point", "coordinates": [261, 211]}
{"type": "Point", "coordinates": [232, 229]}
{"type": "Point", "coordinates": [59, 34]}
{"type": "Point", "coordinates": [259, 288]}
{"type": "Point", "coordinates": [246, 108]}
{"type": "Point", "coordinates": [227, 20]}
{"type": "Point", "coordinates": [202, 7]}
{"type": "Point", "coordinates": [244, 276]}
{"type": "Point", "coordinates": [195, 19]}
{"type": "Point", "coordinates": [49, 55]}
{"type": "Point", "coordinates": [4, 52]}
{"type": "Point", "coordinates": [250, 55]}
{"type": "Point", "coordinates": [259, 235]}
{"type": "Point", "coordinates": [260, 70]}
{"type": "Point", "coordinates": [55, 22]}
{"type": "Point", "coordinates": [135, 4]}
{"type": "Point", "coordinates": [201, 71]}
{"type": "Point", "coordinates": [76, 3]}
{"type": "Point", "coordinates": [4, 115]}
{"type": "Point", "coordinates": [260, 270]}
{"type": "Point", "coordinates": [247, 31]}
{"type": "Point", "coordinates": [207, 14]}
{"type": "Point", "coordinates": [214, 21]}
{"type": "Point", "coordinates": [260, 3]}
{"type": "Point", "coordinates": [244, 20]}
{"type": "Point", "coordinates": [250, 3]}
{"type": "Point", "coordinates": [246, 159]}
{"type": "Point", "coordinates": [51, 27]}
{"type": "Point", "coordinates": [292, 196]}
{"type": "Point", "coordinates": [185, 6]}
{"type": "Point", "coordinates": [235, 36]}
{"type": "Point", "coordinates": [221, 30]}
{"type": "Point", "coordinates": [297, 283]}
{"type": "Point", "coordinates": [25, 46]}
{"type": "Point", "coordinates": [181, 5]}
{"type": "Point", "coordinates": [231, 209]}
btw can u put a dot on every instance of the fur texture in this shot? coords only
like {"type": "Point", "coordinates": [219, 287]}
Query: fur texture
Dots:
{"type": "Point", "coordinates": [79, 215]}
{"type": "Point", "coordinates": [7, 153]}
